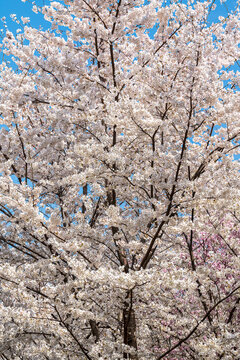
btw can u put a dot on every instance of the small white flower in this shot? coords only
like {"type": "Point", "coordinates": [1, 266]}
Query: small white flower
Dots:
{"type": "Point", "coordinates": [25, 20]}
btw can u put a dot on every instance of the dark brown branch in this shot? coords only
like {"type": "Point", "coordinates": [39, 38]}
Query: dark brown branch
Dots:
{"type": "Point", "coordinates": [96, 13]}
{"type": "Point", "coordinates": [229, 320]}
{"type": "Point", "coordinates": [21, 247]}
{"type": "Point", "coordinates": [24, 154]}
{"type": "Point", "coordinates": [85, 352]}
{"type": "Point", "coordinates": [95, 213]}
{"type": "Point", "coordinates": [146, 258]}
{"type": "Point", "coordinates": [183, 340]}
{"type": "Point", "coordinates": [50, 73]}
{"type": "Point", "coordinates": [164, 43]}
{"type": "Point", "coordinates": [12, 166]}
{"type": "Point", "coordinates": [117, 13]}
{"type": "Point", "coordinates": [113, 65]}
{"type": "Point", "coordinates": [95, 330]}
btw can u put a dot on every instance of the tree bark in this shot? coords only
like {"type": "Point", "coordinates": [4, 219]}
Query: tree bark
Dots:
{"type": "Point", "coordinates": [129, 326]}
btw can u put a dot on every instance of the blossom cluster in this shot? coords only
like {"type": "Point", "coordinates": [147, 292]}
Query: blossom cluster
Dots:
{"type": "Point", "coordinates": [119, 193]}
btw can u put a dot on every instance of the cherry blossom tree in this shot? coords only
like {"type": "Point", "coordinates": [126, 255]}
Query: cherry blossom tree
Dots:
{"type": "Point", "coordinates": [119, 196]}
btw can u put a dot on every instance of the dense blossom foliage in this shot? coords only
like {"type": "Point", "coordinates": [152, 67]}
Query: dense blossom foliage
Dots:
{"type": "Point", "coordinates": [119, 196]}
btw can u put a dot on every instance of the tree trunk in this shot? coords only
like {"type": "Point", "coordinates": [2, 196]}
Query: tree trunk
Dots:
{"type": "Point", "coordinates": [129, 327]}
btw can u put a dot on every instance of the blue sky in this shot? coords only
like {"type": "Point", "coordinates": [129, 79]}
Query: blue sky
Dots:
{"type": "Point", "coordinates": [19, 8]}
{"type": "Point", "coordinates": [8, 7]}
